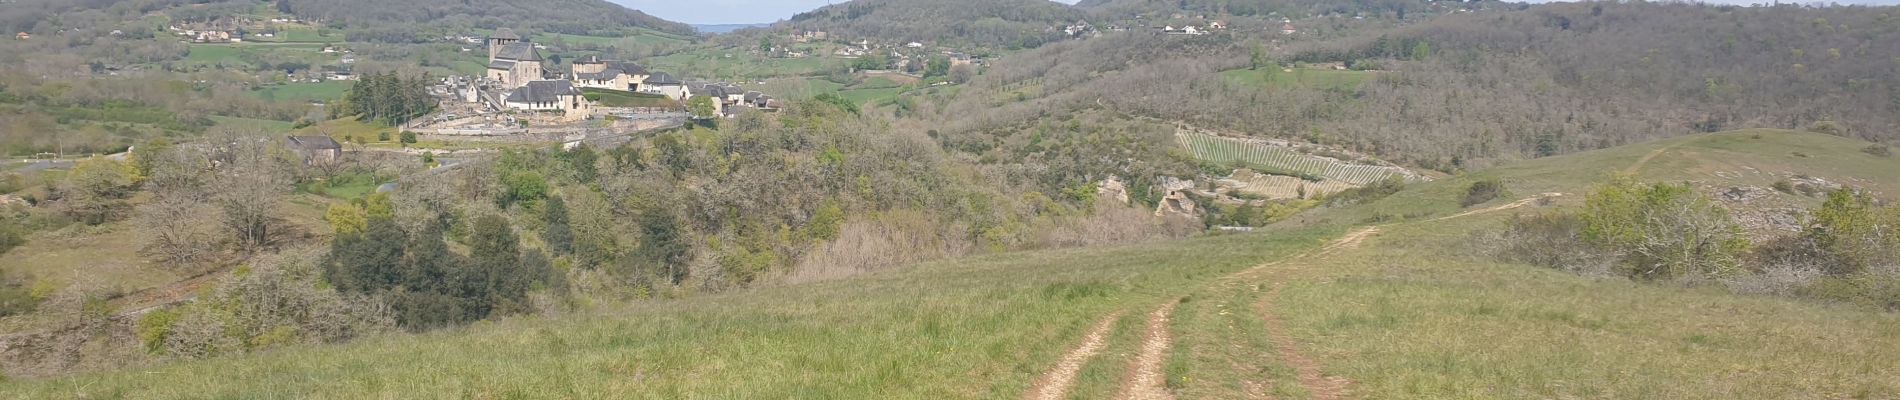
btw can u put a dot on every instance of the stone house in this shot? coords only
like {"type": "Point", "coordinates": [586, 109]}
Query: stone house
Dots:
{"type": "Point", "coordinates": [664, 84]}
{"type": "Point", "coordinates": [315, 150]}
{"type": "Point", "coordinates": [591, 71]}
{"type": "Point", "coordinates": [553, 96]}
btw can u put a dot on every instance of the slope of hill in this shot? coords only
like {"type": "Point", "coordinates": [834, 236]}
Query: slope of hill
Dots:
{"type": "Point", "coordinates": [1579, 77]}
{"type": "Point", "coordinates": [1019, 23]}
{"type": "Point", "coordinates": [1237, 316]}
{"type": "Point", "coordinates": [578, 17]}
{"type": "Point", "coordinates": [1291, 8]}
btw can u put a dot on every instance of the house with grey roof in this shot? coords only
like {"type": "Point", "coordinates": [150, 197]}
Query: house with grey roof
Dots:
{"type": "Point", "coordinates": [594, 72]}
{"type": "Point", "coordinates": [315, 150]}
{"type": "Point", "coordinates": [664, 84]}
{"type": "Point", "coordinates": [557, 96]}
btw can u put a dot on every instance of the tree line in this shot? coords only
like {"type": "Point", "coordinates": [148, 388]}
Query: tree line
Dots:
{"type": "Point", "coordinates": [387, 97]}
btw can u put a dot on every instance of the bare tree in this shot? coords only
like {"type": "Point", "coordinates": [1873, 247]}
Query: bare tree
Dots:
{"type": "Point", "coordinates": [248, 189]}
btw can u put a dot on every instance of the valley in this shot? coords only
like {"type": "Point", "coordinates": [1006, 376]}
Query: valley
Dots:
{"type": "Point", "coordinates": [1260, 199]}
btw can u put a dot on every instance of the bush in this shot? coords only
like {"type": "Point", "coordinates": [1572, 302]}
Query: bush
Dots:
{"type": "Point", "coordinates": [1879, 150]}
{"type": "Point", "coordinates": [1550, 240]}
{"type": "Point", "coordinates": [1828, 127]}
{"type": "Point", "coordinates": [1870, 290]}
{"type": "Point", "coordinates": [16, 299]}
{"type": "Point", "coordinates": [1663, 231]}
{"type": "Point", "coordinates": [1366, 194]}
{"type": "Point", "coordinates": [1482, 192]}
{"type": "Point", "coordinates": [1784, 186]}
{"type": "Point", "coordinates": [155, 326]}
{"type": "Point", "coordinates": [1853, 234]}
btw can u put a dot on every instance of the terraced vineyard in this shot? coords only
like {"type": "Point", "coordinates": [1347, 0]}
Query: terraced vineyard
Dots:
{"type": "Point", "coordinates": [1274, 159]}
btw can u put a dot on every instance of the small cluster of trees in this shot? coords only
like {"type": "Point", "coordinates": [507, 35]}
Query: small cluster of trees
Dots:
{"type": "Point", "coordinates": [425, 284]}
{"type": "Point", "coordinates": [387, 97]}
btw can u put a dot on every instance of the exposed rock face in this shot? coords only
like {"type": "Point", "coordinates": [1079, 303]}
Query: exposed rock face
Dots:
{"type": "Point", "coordinates": [1112, 188]}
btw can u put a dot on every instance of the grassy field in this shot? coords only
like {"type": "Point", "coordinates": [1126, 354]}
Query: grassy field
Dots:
{"type": "Point", "coordinates": [737, 64]}
{"type": "Point", "coordinates": [1300, 77]}
{"type": "Point", "coordinates": [977, 328]}
{"type": "Point", "coordinates": [300, 34]}
{"type": "Point", "coordinates": [326, 91]}
{"type": "Point", "coordinates": [351, 130]}
{"type": "Point", "coordinates": [265, 125]}
{"type": "Point", "coordinates": [879, 91]}
{"type": "Point", "coordinates": [239, 55]}
{"type": "Point", "coordinates": [1411, 309]}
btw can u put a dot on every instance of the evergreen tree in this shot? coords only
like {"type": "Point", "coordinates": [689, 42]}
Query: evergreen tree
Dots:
{"type": "Point", "coordinates": [558, 235]}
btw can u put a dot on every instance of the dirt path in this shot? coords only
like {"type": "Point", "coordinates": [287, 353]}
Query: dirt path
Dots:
{"type": "Point", "coordinates": [1652, 155]}
{"type": "Point", "coordinates": [1317, 385]}
{"type": "Point", "coordinates": [1513, 205]}
{"type": "Point", "coordinates": [1350, 240]}
{"type": "Point", "coordinates": [1056, 383]}
{"type": "Point", "coordinates": [1145, 380]}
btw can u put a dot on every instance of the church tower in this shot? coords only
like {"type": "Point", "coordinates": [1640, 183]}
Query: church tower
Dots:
{"type": "Point", "coordinates": [501, 37]}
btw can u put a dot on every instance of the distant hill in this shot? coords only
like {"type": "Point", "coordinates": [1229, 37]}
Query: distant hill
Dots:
{"type": "Point", "coordinates": [1016, 23]}
{"type": "Point", "coordinates": [1290, 8]}
{"type": "Point", "coordinates": [564, 16]}
{"type": "Point", "coordinates": [723, 28]}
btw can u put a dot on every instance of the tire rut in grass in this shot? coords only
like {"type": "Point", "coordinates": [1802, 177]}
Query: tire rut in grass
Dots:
{"type": "Point", "coordinates": [1056, 383]}
{"type": "Point", "coordinates": [1146, 380]}
{"type": "Point", "coordinates": [1317, 385]}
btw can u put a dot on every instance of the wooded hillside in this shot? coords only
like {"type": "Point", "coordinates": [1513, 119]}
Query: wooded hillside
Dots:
{"type": "Point", "coordinates": [564, 16]}
{"type": "Point", "coordinates": [1019, 23]}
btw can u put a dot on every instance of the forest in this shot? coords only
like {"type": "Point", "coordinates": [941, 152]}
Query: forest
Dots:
{"type": "Point", "coordinates": [993, 23]}
{"type": "Point", "coordinates": [1444, 94]}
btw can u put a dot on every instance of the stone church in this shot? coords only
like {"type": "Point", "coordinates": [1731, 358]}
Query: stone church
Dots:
{"type": "Point", "coordinates": [512, 61]}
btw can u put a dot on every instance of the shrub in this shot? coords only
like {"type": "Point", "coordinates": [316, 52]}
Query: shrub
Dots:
{"type": "Point", "coordinates": [1853, 234]}
{"type": "Point", "coordinates": [1828, 127]}
{"type": "Point", "coordinates": [16, 299]}
{"type": "Point", "coordinates": [1662, 231]}
{"type": "Point", "coordinates": [155, 326]}
{"type": "Point", "coordinates": [1879, 150]}
{"type": "Point", "coordinates": [1369, 193]}
{"type": "Point", "coordinates": [1784, 186]}
{"type": "Point", "coordinates": [522, 187]}
{"type": "Point", "coordinates": [1550, 240]}
{"type": "Point", "coordinates": [1873, 290]}
{"type": "Point", "coordinates": [1482, 192]}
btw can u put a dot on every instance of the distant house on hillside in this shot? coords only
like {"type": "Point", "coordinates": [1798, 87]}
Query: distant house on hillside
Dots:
{"type": "Point", "coordinates": [1287, 29]}
{"type": "Point", "coordinates": [23, 36]}
{"type": "Point", "coordinates": [315, 150]}
{"type": "Point", "coordinates": [592, 71]}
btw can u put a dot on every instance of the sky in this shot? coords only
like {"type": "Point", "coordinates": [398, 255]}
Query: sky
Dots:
{"type": "Point", "coordinates": [764, 11]}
